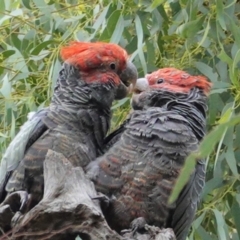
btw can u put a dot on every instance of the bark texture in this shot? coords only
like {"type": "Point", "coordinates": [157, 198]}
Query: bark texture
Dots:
{"type": "Point", "coordinates": [66, 210]}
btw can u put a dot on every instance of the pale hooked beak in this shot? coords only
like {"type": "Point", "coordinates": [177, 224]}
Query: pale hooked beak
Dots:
{"type": "Point", "coordinates": [141, 85]}
{"type": "Point", "coordinates": [129, 75]}
{"type": "Point", "coordinates": [128, 78]}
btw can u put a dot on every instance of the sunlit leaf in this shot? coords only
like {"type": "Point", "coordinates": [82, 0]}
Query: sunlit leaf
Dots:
{"type": "Point", "coordinates": [118, 30]}
{"type": "Point", "coordinates": [40, 47]}
{"type": "Point", "coordinates": [200, 36]}
{"type": "Point", "coordinates": [220, 225]}
{"type": "Point", "coordinates": [26, 4]}
{"type": "Point", "coordinates": [6, 87]}
{"type": "Point", "coordinates": [139, 31]}
{"type": "Point", "coordinates": [6, 54]}
{"type": "Point", "coordinates": [183, 178]}
{"type": "Point", "coordinates": [220, 14]}
{"type": "Point", "coordinates": [207, 71]}
{"type": "Point", "coordinates": [206, 147]}
{"type": "Point", "coordinates": [234, 29]}
{"type": "Point", "coordinates": [156, 3]}
{"type": "Point", "coordinates": [14, 13]}
{"type": "Point", "coordinates": [189, 29]}
{"type": "Point", "coordinates": [119, 103]}
{"type": "Point", "coordinates": [235, 210]}
{"type": "Point", "coordinates": [230, 158]}
{"type": "Point", "coordinates": [2, 7]}
{"type": "Point", "coordinates": [111, 26]}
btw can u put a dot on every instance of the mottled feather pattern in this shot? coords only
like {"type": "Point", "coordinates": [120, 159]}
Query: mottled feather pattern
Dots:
{"type": "Point", "coordinates": [78, 117]}
{"type": "Point", "coordinates": [176, 80]}
{"type": "Point", "coordinates": [142, 187]}
{"type": "Point", "coordinates": [92, 56]}
{"type": "Point", "coordinates": [77, 136]}
{"type": "Point", "coordinates": [145, 156]}
{"type": "Point", "coordinates": [27, 135]}
{"type": "Point", "coordinates": [29, 174]}
{"type": "Point", "coordinates": [114, 136]}
{"type": "Point", "coordinates": [191, 105]}
{"type": "Point", "coordinates": [187, 202]}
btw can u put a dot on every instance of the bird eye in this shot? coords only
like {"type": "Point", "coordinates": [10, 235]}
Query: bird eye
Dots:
{"type": "Point", "coordinates": [113, 66]}
{"type": "Point", "coordinates": [159, 81]}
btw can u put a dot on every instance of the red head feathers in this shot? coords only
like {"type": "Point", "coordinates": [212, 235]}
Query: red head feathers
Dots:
{"type": "Point", "coordinates": [94, 55]}
{"type": "Point", "coordinates": [177, 80]}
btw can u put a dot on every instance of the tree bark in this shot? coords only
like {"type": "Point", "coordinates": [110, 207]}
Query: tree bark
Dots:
{"type": "Point", "coordinates": [67, 209]}
{"type": "Point", "coordinates": [152, 233]}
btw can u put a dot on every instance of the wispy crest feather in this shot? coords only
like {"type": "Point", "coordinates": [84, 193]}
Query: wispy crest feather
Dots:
{"type": "Point", "coordinates": [92, 55]}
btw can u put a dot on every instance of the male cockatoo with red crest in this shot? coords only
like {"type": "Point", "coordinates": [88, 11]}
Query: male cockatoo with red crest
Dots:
{"type": "Point", "coordinates": [93, 75]}
{"type": "Point", "coordinates": [146, 154]}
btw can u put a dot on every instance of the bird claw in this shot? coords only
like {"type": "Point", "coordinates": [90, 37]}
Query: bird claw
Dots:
{"type": "Point", "coordinates": [104, 200]}
{"type": "Point", "coordinates": [16, 218]}
{"type": "Point", "coordinates": [6, 215]}
{"type": "Point", "coordinates": [102, 197]}
{"type": "Point", "coordinates": [18, 201]}
{"type": "Point", "coordinates": [136, 225]}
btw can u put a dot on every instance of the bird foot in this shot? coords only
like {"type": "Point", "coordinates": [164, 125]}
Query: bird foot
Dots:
{"type": "Point", "coordinates": [6, 216]}
{"type": "Point", "coordinates": [18, 201]}
{"type": "Point", "coordinates": [16, 218]}
{"type": "Point", "coordinates": [136, 225]}
{"type": "Point", "coordinates": [104, 200]}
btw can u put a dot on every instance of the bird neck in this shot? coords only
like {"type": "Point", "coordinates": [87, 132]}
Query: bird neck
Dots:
{"type": "Point", "coordinates": [74, 108]}
{"type": "Point", "coordinates": [91, 123]}
{"type": "Point", "coordinates": [193, 107]}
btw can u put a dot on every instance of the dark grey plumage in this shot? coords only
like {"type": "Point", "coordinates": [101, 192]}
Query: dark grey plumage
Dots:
{"type": "Point", "coordinates": [77, 119]}
{"type": "Point", "coordinates": [139, 171]}
{"type": "Point", "coordinates": [28, 134]}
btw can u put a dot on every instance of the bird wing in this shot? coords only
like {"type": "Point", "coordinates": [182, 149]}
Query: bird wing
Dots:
{"type": "Point", "coordinates": [114, 136]}
{"type": "Point", "coordinates": [188, 200]}
{"type": "Point", "coordinates": [28, 134]}
{"type": "Point", "coordinates": [140, 169]}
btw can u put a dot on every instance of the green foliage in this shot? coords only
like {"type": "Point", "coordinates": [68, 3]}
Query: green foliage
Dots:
{"type": "Point", "coordinates": [202, 37]}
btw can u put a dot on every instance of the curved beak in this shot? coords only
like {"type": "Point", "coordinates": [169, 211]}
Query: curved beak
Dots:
{"type": "Point", "coordinates": [141, 85]}
{"type": "Point", "coordinates": [128, 78]}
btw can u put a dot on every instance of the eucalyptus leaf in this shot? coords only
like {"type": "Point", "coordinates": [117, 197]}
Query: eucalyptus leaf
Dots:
{"type": "Point", "coordinates": [202, 37]}
{"type": "Point", "coordinates": [111, 26]}
{"type": "Point", "coordinates": [155, 4]}
{"type": "Point", "coordinates": [220, 225]}
{"type": "Point", "coordinates": [41, 46]}
{"type": "Point", "coordinates": [220, 14]}
{"type": "Point", "coordinates": [14, 13]}
{"type": "Point", "coordinates": [6, 87]}
{"type": "Point", "coordinates": [26, 4]}
{"type": "Point", "coordinates": [6, 54]}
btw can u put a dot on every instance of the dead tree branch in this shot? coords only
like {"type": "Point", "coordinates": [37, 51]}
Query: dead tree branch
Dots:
{"type": "Point", "coordinates": [67, 209]}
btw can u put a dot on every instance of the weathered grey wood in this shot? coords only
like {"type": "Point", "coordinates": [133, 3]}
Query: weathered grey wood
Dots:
{"type": "Point", "coordinates": [67, 209]}
{"type": "Point", "coordinates": [6, 215]}
{"type": "Point", "coordinates": [152, 233]}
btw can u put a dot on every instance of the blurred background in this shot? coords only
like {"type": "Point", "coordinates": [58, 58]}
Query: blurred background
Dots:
{"type": "Point", "coordinates": [202, 37]}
